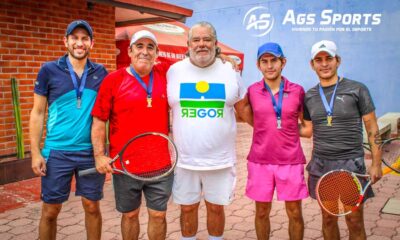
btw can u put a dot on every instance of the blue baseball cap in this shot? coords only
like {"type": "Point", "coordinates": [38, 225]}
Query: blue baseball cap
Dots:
{"type": "Point", "coordinates": [79, 23]}
{"type": "Point", "coordinates": [271, 48]}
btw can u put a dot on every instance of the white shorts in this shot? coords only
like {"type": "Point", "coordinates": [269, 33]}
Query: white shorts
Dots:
{"type": "Point", "coordinates": [216, 185]}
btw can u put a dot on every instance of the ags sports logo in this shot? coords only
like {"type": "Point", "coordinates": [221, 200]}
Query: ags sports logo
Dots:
{"type": "Point", "coordinates": [202, 99]}
{"type": "Point", "coordinates": [258, 21]}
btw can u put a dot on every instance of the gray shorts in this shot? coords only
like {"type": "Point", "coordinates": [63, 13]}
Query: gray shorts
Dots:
{"type": "Point", "coordinates": [128, 193]}
{"type": "Point", "coordinates": [318, 167]}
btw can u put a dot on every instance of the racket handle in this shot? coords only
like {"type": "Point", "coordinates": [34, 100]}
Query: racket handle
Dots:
{"type": "Point", "coordinates": [87, 172]}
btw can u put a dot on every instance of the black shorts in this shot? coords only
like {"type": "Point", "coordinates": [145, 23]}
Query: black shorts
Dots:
{"type": "Point", "coordinates": [128, 193]}
{"type": "Point", "coordinates": [318, 167]}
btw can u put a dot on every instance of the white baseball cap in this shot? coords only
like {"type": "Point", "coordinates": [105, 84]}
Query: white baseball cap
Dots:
{"type": "Point", "coordinates": [324, 46]}
{"type": "Point", "coordinates": [143, 34]}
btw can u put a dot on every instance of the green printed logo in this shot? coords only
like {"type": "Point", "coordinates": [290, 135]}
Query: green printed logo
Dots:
{"type": "Point", "coordinates": [202, 99]}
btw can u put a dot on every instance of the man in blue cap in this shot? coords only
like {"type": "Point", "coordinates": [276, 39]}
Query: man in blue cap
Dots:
{"type": "Point", "coordinates": [276, 159]}
{"type": "Point", "coordinates": [68, 87]}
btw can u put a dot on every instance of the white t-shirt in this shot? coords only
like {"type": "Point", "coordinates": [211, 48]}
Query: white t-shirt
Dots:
{"type": "Point", "coordinates": [203, 118]}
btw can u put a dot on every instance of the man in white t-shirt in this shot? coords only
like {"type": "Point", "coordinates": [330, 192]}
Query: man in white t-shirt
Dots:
{"type": "Point", "coordinates": [203, 94]}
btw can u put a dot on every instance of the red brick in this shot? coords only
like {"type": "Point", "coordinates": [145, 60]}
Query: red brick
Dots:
{"type": "Point", "coordinates": [17, 51]}
{"type": "Point", "coordinates": [31, 33]}
{"type": "Point", "coordinates": [4, 51]}
{"type": "Point", "coordinates": [17, 27]}
{"type": "Point", "coordinates": [23, 21]}
{"type": "Point", "coordinates": [4, 38]}
{"type": "Point", "coordinates": [32, 52]}
{"type": "Point", "coordinates": [17, 39]}
{"type": "Point", "coordinates": [9, 57]}
{"type": "Point", "coordinates": [8, 70]}
{"type": "Point", "coordinates": [24, 45]}
{"type": "Point", "coordinates": [8, 45]}
{"type": "Point", "coordinates": [31, 28]}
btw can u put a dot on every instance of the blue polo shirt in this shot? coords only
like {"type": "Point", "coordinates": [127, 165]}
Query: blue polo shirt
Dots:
{"type": "Point", "coordinates": [68, 127]}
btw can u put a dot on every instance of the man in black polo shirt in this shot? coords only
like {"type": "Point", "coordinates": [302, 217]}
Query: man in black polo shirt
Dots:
{"type": "Point", "coordinates": [333, 113]}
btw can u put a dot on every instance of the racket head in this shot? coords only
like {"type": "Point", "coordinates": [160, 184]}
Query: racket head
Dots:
{"type": "Point", "coordinates": [148, 156]}
{"type": "Point", "coordinates": [339, 192]}
{"type": "Point", "coordinates": [390, 149]}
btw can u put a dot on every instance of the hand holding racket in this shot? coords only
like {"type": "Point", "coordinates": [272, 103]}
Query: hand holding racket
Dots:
{"type": "Point", "coordinates": [103, 165]}
{"type": "Point", "coordinates": [147, 157]}
{"type": "Point", "coordinates": [340, 192]}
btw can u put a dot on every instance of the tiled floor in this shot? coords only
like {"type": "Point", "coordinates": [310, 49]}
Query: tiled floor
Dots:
{"type": "Point", "coordinates": [20, 211]}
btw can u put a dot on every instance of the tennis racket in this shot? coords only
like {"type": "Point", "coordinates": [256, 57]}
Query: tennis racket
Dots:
{"type": "Point", "coordinates": [391, 154]}
{"type": "Point", "coordinates": [340, 192]}
{"type": "Point", "coordinates": [146, 157]}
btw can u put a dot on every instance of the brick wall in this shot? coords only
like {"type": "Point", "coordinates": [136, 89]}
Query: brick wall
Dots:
{"type": "Point", "coordinates": [31, 33]}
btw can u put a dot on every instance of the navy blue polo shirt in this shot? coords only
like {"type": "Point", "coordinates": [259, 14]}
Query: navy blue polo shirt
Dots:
{"type": "Point", "coordinates": [68, 127]}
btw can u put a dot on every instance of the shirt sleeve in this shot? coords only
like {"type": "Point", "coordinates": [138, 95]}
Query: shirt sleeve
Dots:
{"type": "Point", "coordinates": [41, 83]}
{"type": "Point", "coordinates": [301, 100]}
{"type": "Point", "coordinates": [242, 89]}
{"type": "Point", "coordinates": [365, 102]}
{"type": "Point", "coordinates": [306, 113]}
{"type": "Point", "coordinates": [164, 65]}
{"type": "Point", "coordinates": [103, 104]}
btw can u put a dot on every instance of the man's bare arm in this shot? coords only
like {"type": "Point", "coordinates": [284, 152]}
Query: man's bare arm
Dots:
{"type": "Point", "coordinates": [36, 123]}
{"type": "Point", "coordinates": [305, 127]}
{"type": "Point", "coordinates": [372, 128]}
{"type": "Point", "coordinates": [99, 146]}
{"type": "Point", "coordinates": [244, 110]}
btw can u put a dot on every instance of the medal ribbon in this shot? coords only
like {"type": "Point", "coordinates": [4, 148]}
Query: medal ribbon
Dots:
{"type": "Point", "coordinates": [148, 89]}
{"type": "Point", "coordinates": [328, 108]}
{"type": "Point", "coordinates": [78, 90]}
{"type": "Point", "coordinates": [277, 107]}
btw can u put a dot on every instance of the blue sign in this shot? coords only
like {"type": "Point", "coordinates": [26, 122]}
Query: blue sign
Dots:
{"type": "Point", "coordinates": [366, 33]}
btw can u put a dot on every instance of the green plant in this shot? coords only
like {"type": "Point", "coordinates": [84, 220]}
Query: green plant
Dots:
{"type": "Point", "coordinates": [17, 115]}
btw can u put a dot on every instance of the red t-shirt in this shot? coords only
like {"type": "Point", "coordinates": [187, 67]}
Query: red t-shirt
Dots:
{"type": "Point", "coordinates": [123, 101]}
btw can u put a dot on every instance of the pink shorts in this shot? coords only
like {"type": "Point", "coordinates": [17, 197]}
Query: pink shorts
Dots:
{"type": "Point", "coordinates": [288, 180]}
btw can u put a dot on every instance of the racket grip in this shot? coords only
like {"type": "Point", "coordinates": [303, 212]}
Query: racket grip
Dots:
{"type": "Point", "coordinates": [87, 172]}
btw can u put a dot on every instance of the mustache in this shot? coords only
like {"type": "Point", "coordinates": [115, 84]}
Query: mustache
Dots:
{"type": "Point", "coordinates": [202, 49]}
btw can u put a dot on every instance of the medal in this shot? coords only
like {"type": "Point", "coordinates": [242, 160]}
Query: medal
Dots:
{"type": "Point", "coordinates": [148, 89]}
{"type": "Point", "coordinates": [328, 107]}
{"type": "Point", "coordinates": [277, 106]}
{"type": "Point", "coordinates": [329, 120]}
{"type": "Point", "coordinates": [278, 123]}
{"type": "Point", "coordinates": [78, 90]}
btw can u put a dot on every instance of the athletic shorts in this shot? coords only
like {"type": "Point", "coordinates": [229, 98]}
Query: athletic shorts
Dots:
{"type": "Point", "coordinates": [318, 167]}
{"type": "Point", "coordinates": [61, 166]}
{"type": "Point", "coordinates": [288, 180]}
{"type": "Point", "coordinates": [217, 186]}
{"type": "Point", "coordinates": [128, 193]}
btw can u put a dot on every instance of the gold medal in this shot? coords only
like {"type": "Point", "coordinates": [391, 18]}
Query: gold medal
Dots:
{"type": "Point", "coordinates": [329, 120]}
{"type": "Point", "coordinates": [149, 102]}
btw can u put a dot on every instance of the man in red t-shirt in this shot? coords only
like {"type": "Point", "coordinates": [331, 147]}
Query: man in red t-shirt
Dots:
{"type": "Point", "coordinates": [134, 101]}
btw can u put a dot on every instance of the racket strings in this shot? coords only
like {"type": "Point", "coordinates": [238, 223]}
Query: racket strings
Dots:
{"type": "Point", "coordinates": [338, 192]}
{"type": "Point", "coordinates": [149, 156]}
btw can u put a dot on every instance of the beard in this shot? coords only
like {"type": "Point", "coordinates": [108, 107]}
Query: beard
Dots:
{"type": "Point", "coordinates": [78, 56]}
{"type": "Point", "coordinates": [202, 60]}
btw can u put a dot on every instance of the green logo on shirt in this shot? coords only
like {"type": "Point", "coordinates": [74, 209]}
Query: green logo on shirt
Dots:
{"type": "Point", "coordinates": [202, 99]}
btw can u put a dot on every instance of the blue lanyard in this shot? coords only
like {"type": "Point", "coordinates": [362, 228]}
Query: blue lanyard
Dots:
{"type": "Point", "coordinates": [328, 108]}
{"type": "Point", "coordinates": [78, 90]}
{"type": "Point", "coordinates": [277, 107]}
{"type": "Point", "coordinates": [148, 89]}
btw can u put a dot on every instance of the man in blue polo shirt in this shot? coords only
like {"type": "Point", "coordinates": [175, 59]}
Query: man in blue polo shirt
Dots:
{"type": "Point", "coordinates": [68, 87]}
